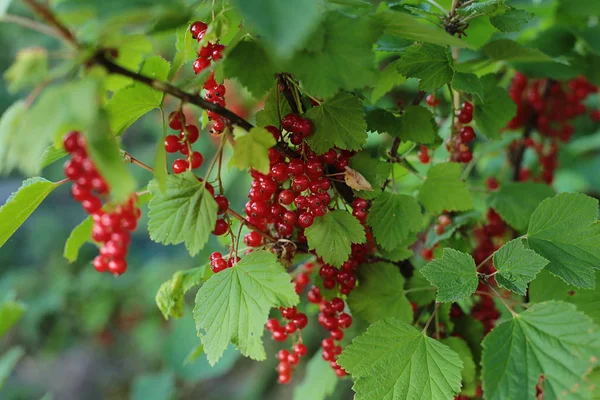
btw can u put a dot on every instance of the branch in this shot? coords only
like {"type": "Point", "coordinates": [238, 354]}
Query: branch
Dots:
{"type": "Point", "coordinates": [33, 25]}
{"type": "Point", "coordinates": [43, 12]}
{"type": "Point", "coordinates": [129, 158]}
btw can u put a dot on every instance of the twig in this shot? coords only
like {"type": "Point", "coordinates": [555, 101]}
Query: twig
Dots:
{"type": "Point", "coordinates": [250, 226]}
{"type": "Point", "coordinates": [431, 318]}
{"type": "Point", "coordinates": [129, 158]}
{"type": "Point", "coordinates": [33, 25]}
{"type": "Point", "coordinates": [47, 16]}
{"type": "Point", "coordinates": [435, 3]}
{"type": "Point", "coordinates": [499, 297]}
{"type": "Point", "coordinates": [455, 4]}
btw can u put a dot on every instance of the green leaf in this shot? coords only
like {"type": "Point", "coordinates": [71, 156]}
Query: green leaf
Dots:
{"type": "Point", "coordinates": [432, 64]}
{"type": "Point", "coordinates": [454, 275]}
{"type": "Point", "coordinates": [410, 27]}
{"type": "Point", "coordinates": [332, 235]}
{"type": "Point", "coordinates": [258, 79]}
{"type": "Point", "coordinates": [170, 295]}
{"type": "Point", "coordinates": [380, 283]}
{"type": "Point", "coordinates": [9, 361]}
{"type": "Point", "coordinates": [186, 213]}
{"type": "Point", "coordinates": [338, 55]}
{"type": "Point", "coordinates": [29, 69]}
{"type": "Point", "coordinates": [382, 121]}
{"type": "Point", "coordinates": [373, 170]}
{"type": "Point", "coordinates": [393, 360]}
{"type": "Point", "coordinates": [419, 290]}
{"type": "Point", "coordinates": [468, 83]}
{"type": "Point", "coordinates": [233, 305]}
{"type": "Point", "coordinates": [78, 237]}
{"type": "Point", "coordinates": [318, 383]}
{"type": "Point", "coordinates": [516, 201]}
{"type": "Point", "coordinates": [131, 51]}
{"type": "Point", "coordinates": [283, 25]}
{"type": "Point", "coordinates": [486, 7]}
{"type": "Point", "coordinates": [590, 36]}
{"type": "Point", "coordinates": [512, 20]}
{"type": "Point", "coordinates": [392, 217]}
{"type": "Point", "coordinates": [517, 266]}
{"type": "Point", "coordinates": [158, 386]}
{"type": "Point", "coordinates": [388, 79]}
{"type": "Point", "coordinates": [417, 124]}
{"type": "Point", "coordinates": [21, 204]}
{"type": "Point", "coordinates": [552, 340]}
{"type": "Point", "coordinates": [252, 150]}
{"type": "Point", "coordinates": [564, 230]}
{"type": "Point", "coordinates": [511, 51]}
{"type": "Point", "coordinates": [498, 109]}
{"type": "Point", "coordinates": [276, 107]}
{"type": "Point", "coordinates": [11, 311]}
{"type": "Point", "coordinates": [4, 4]}
{"type": "Point", "coordinates": [9, 136]}
{"type": "Point", "coordinates": [185, 46]}
{"type": "Point", "coordinates": [469, 371]}
{"type": "Point", "coordinates": [131, 103]}
{"type": "Point", "coordinates": [402, 251]}
{"type": "Point", "coordinates": [338, 122]}
{"type": "Point", "coordinates": [445, 190]}
{"type": "Point", "coordinates": [51, 155]}
{"type": "Point", "coordinates": [546, 287]}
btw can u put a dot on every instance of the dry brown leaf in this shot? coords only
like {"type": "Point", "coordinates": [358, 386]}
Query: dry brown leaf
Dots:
{"type": "Point", "coordinates": [356, 181]}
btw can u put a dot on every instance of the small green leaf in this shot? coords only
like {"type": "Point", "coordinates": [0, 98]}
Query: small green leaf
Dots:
{"type": "Point", "coordinates": [233, 305]}
{"type": "Point", "coordinates": [51, 155]}
{"type": "Point", "coordinates": [276, 107]}
{"type": "Point", "coordinates": [564, 230]}
{"type": "Point", "coordinates": [392, 217]}
{"type": "Point", "coordinates": [552, 340]}
{"type": "Point", "coordinates": [498, 109]}
{"type": "Point", "coordinates": [517, 266]}
{"type": "Point", "coordinates": [185, 46]}
{"type": "Point", "coordinates": [393, 360]}
{"type": "Point", "coordinates": [512, 20]}
{"type": "Point", "coordinates": [382, 121]}
{"type": "Point", "coordinates": [419, 290]}
{"type": "Point", "coordinates": [388, 79]}
{"type": "Point", "coordinates": [78, 237]}
{"type": "Point", "coordinates": [186, 213]}
{"type": "Point", "coordinates": [332, 235]}
{"type": "Point", "coordinates": [486, 7]}
{"type": "Point", "coordinates": [468, 83]}
{"type": "Point", "coordinates": [417, 124]}
{"type": "Point", "coordinates": [9, 136]}
{"type": "Point", "coordinates": [21, 204]}
{"type": "Point", "coordinates": [380, 283]}
{"type": "Point", "coordinates": [454, 275]}
{"type": "Point", "coordinates": [445, 190]}
{"type": "Point", "coordinates": [373, 170]}
{"type": "Point", "coordinates": [432, 64]}
{"type": "Point", "coordinates": [338, 122]}
{"type": "Point", "coordinates": [259, 79]}
{"type": "Point", "coordinates": [252, 150]}
{"type": "Point", "coordinates": [8, 362]}
{"type": "Point", "coordinates": [319, 382]}
{"type": "Point", "coordinates": [511, 51]}
{"type": "Point", "coordinates": [169, 297]}
{"type": "Point", "coordinates": [131, 51]}
{"type": "Point", "coordinates": [29, 69]}
{"type": "Point", "coordinates": [469, 371]}
{"type": "Point", "coordinates": [11, 312]}
{"type": "Point", "coordinates": [516, 201]}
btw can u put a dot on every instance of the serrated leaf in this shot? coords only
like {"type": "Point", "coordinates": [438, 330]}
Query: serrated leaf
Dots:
{"type": "Point", "coordinates": [21, 204]}
{"type": "Point", "coordinates": [131, 103]}
{"type": "Point", "coordinates": [469, 371]}
{"type": "Point", "coordinates": [512, 20]}
{"type": "Point", "coordinates": [252, 150]}
{"type": "Point", "coordinates": [413, 28]}
{"type": "Point", "coordinates": [498, 109]}
{"type": "Point", "coordinates": [388, 79]}
{"type": "Point", "coordinates": [186, 213]}
{"type": "Point", "coordinates": [468, 83]}
{"type": "Point", "coordinates": [565, 231]}
{"type": "Point", "coordinates": [333, 234]}
{"type": "Point", "coordinates": [29, 69]}
{"type": "Point", "coordinates": [276, 107]}
{"type": "Point", "coordinates": [486, 7]}
{"type": "Point", "coordinates": [258, 79]}
{"type": "Point", "coordinates": [382, 121]}
{"type": "Point", "coordinates": [78, 237]}
{"type": "Point", "coordinates": [419, 290]}
{"type": "Point", "coordinates": [130, 54]}
{"type": "Point", "coordinates": [392, 217]}
{"type": "Point", "coordinates": [339, 122]}
{"type": "Point", "coordinates": [517, 266]}
{"type": "Point", "coordinates": [432, 64]}
{"type": "Point", "coordinates": [516, 201]}
{"type": "Point", "coordinates": [373, 170]}
{"type": "Point", "coordinates": [393, 360]}
{"type": "Point", "coordinates": [550, 339]}
{"type": "Point", "coordinates": [185, 46]}
{"type": "Point", "coordinates": [11, 311]}
{"type": "Point", "coordinates": [454, 275]}
{"type": "Point", "coordinates": [283, 25]}
{"type": "Point", "coordinates": [380, 283]}
{"type": "Point", "coordinates": [319, 382]}
{"type": "Point", "coordinates": [338, 55]}
{"type": "Point", "coordinates": [445, 190]}
{"type": "Point", "coordinates": [8, 362]}
{"type": "Point", "coordinates": [458, 221]}
{"type": "Point", "coordinates": [511, 51]}
{"type": "Point", "coordinates": [170, 295]}
{"type": "Point", "coordinates": [233, 305]}
{"type": "Point", "coordinates": [417, 124]}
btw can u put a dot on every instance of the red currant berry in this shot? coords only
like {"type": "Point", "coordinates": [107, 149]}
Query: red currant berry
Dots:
{"type": "Point", "coordinates": [221, 227]}
{"type": "Point", "coordinates": [280, 335]}
{"type": "Point", "coordinates": [300, 349]}
{"type": "Point", "coordinates": [432, 101]}
{"type": "Point", "coordinates": [200, 64]}
{"type": "Point", "coordinates": [344, 321]}
{"type": "Point", "coordinates": [71, 141]}
{"type": "Point", "coordinates": [197, 159]}
{"type": "Point", "coordinates": [192, 133]}
{"type": "Point", "coordinates": [218, 265]}
{"type": "Point", "coordinates": [180, 165]}
{"type": "Point", "coordinates": [467, 134]}
{"type": "Point", "coordinates": [175, 120]}
{"type": "Point", "coordinates": [272, 324]}
{"type": "Point", "coordinates": [467, 107]}
{"type": "Point", "coordinates": [91, 204]}
{"type": "Point", "coordinates": [101, 264]}
{"type": "Point", "coordinates": [304, 127]}
{"type": "Point", "coordinates": [283, 355]}
{"type": "Point", "coordinates": [286, 197]}
{"type": "Point", "coordinates": [465, 117]}
{"type": "Point", "coordinates": [117, 266]}
{"type": "Point", "coordinates": [198, 28]}
{"type": "Point", "coordinates": [293, 359]}
{"type": "Point", "coordinates": [274, 131]}
{"type": "Point", "coordinates": [305, 220]}
{"type": "Point", "coordinates": [252, 239]}
{"type": "Point", "coordinates": [222, 203]}
{"type": "Point", "coordinates": [289, 122]}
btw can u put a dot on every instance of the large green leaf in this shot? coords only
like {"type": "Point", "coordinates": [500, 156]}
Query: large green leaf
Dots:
{"type": "Point", "coordinates": [318, 383]}
{"type": "Point", "coordinates": [251, 150]}
{"type": "Point", "coordinates": [392, 217]}
{"type": "Point", "coordinates": [258, 79]}
{"type": "Point", "coordinates": [388, 78]}
{"type": "Point", "coordinates": [373, 170]}
{"type": "Point", "coordinates": [185, 213]}
{"type": "Point", "coordinates": [380, 283]}
{"type": "Point", "coordinates": [508, 50]}
{"type": "Point", "coordinates": [338, 122]}
{"type": "Point", "coordinates": [517, 266]}
{"type": "Point", "coordinates": [468, 83]}
{"type": "Point", "coordinates": [394, 361]}
{"type": "Point", "coordinates": [29, 69]}
{"type": "Point", "coordinates": [551, 340]}
{"type": "Point", "coordinates": [445, 190]}
{"type": "Point", "coordinates": [332, 235]}
{"type": "Point", "coordinates": [21, 204]}
{"type": "Point", "coordinates": [496, 111]}
{"type": "Point", "coordinates": [454, 275]}
{"type": "Point", "coordinates": [276, 107]}
{"type": "Point", "coordinates": [564, 230]}
{"type": "Point", "coordinates": [233, 305]}
{"type": "Point", "coordinates": [512, 20]}
{"type": "Point", "coordinates": [432, 64]}
{"type": "Point", "coordinates": [417, 124]}
{"type": "Point", "coordinates": [469, 371]}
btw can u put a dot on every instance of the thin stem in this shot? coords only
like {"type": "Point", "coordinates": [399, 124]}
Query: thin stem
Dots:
{"type": "Point", "coordinates": [250, 226]}
{"type": "Point", "coordinates": [302, 90]}
{"type": "Point", "coordinates": [420, 289]}
{"type": "Point", "coordinates": [33, 25]}
{"type": "Point", "coordinates": [46, 15]}
{"type": "Point", "coordinates": [435, 3]}
{"type": "Point", "coordinates": [488, 258]}
{"type": "Point", "coordinates": [430, 318]}
{"type": "Point", "coordinates": [129, 158]}
{"type": "Point", "coordinates": [514, 314]}
{"type": "Point", "coordinates": [482, 293]}
{"type": "Point", "coordinates": [453, 107]}
{"type": "Point", "coordinates": [455, 4]}
{"type": "Point", "coordinates": [437, 327]}
{"type": "Point", "coordinates": [216, 157]}
{"type": "Point", "coordinates": [237, 243]}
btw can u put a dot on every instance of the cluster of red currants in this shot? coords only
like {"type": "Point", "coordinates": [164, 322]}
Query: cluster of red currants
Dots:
{"type": "Point", "coordinates": [287, 361]}
{"type": "Point", "coordinates": [112, 228]}
{"type": "Point", "coordinates": [302, 280]}
{"type": "Point", "coordinates": [188, 135]}
{"type": "Point", "coordinates": [333, 318]}
{"type": "Point", "coordinates": [218, 263]}
{"type": "Point", "coordinates": [458, 145]}
{"type": "Point", "coordinates": [442, 222]}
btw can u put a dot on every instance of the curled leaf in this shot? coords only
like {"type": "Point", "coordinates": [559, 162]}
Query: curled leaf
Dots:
{"type": "Point", "coordinates": [356, 181]}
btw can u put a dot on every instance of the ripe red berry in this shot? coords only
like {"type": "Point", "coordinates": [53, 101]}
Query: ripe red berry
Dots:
{"type": "Point", "coordinates": [280, 172]}
{"type": "Point", "coordinates": [117, 266]}
{"type": "Point", "coordinates": [344, 321]}
{"type": "Point", "coordinates": [198, 28]}
{"type": "Point", "coordinates": [300, 349]}
{"type": "Point", "coordinates": [467, 134]}
{"type": "Point", "coordinates": [286, 197]}
{"type": "Point", "coordinates": [221, 227]}
{"type": "Point", "coordinates": [280, 335]}
{"type": "Point", "coordinates": [200, 64]}
{"type": "Point", "coordinates": [222, 203]}
{"type": "Point", "coordinates": [192, 133]}
{"type": "Point", "coordinates": [465, 117]}
{"type": "Point", "coordinates": [180, 165]}
{"type": "Point", "coordinates": [303, 126]}
{"type": "Point", "coordinates": [218, 265]}
{"type": "Point", "coordinates": [466, 156]}
{"type": "Point", "coordinates": [301, 320]}
{"type": "Point", "coordinates": [272, 324]}
{"type": "Point", "coordinates": [172, 144]}
{"type": "Point", "coordinates": [274, 131]}
{"type": "Point", "coordinates": [71, 141]}
{"type": "Point", "coordinates": [284, 378]}
{"type": "Point", "coordinates": [175, 120]}
{"type": "Point", "coordinates": [305, 220]}
{"type": "Point", "coordinates": [216, 51]}
{"type": "Point", "coordinates": [100, 264]}
{"type": "Point", "coordinates": [283, 355]}
{"type": "Point", "coordinates": [91, 204]}
{"type": "Point", "coordinates": [467, 107]}
{"type": "Point", "coordinates": [197, 159]}
{"type": "Point", "coordinates": [432, 101]}
{"type": "Point", "coordinates": [293, 359]}
{"type": "Point", "coordinates": [289, 122]}
{"type": "Point", "coordinates": [252, 239]}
